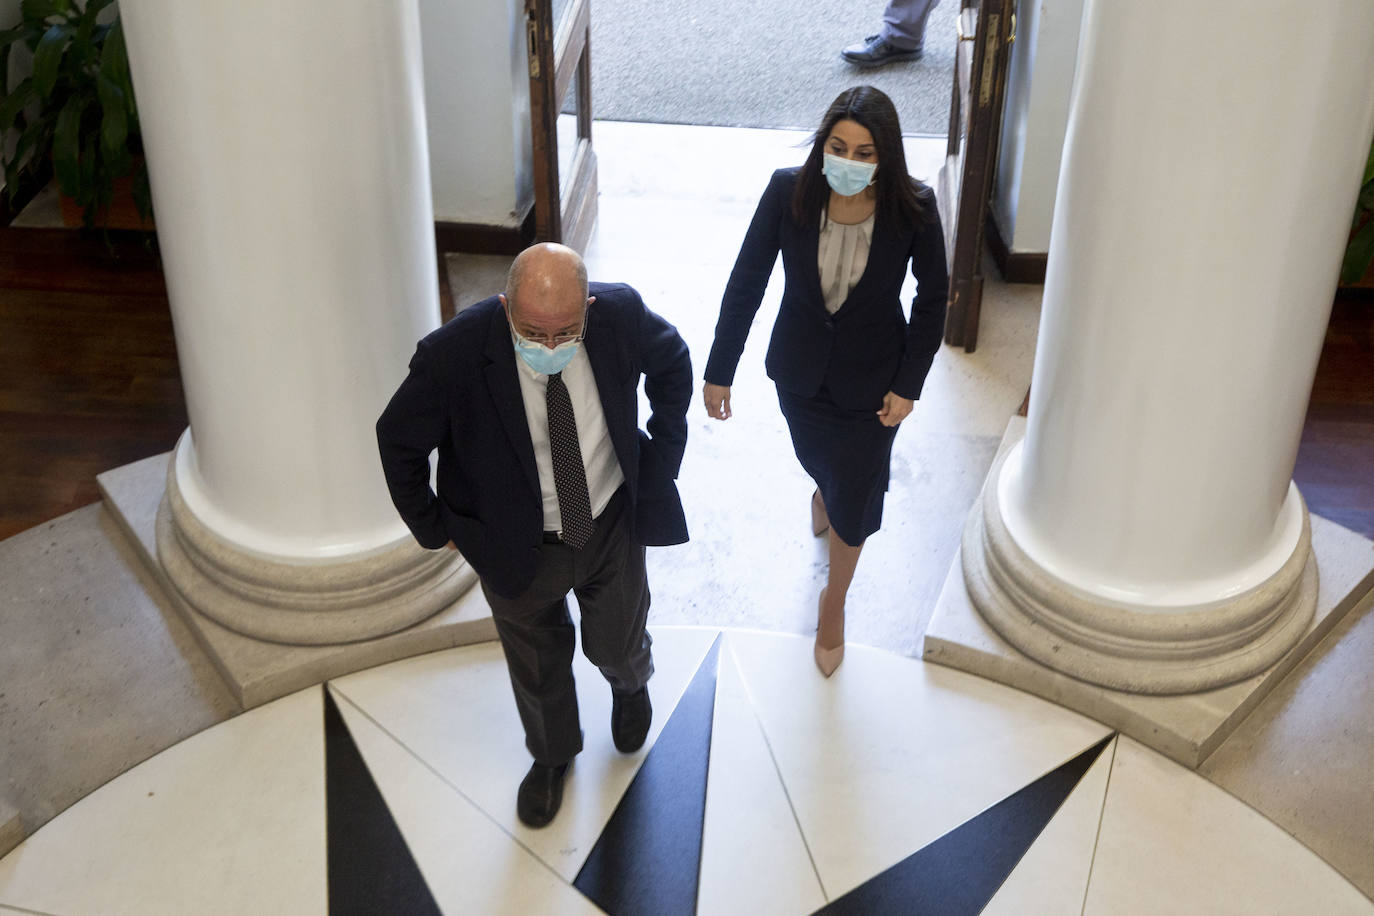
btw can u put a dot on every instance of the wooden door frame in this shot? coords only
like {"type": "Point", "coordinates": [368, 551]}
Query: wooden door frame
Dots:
{"type": "Point", "coordinates": [554, 60]}
{"type": "Point", "coordinates": [973, 153]}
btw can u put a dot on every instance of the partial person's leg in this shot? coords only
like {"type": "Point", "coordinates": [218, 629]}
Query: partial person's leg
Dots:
{"type": "Point", "coordinates": [902, 36]}
{"type": "Point", "coordinates": [904, 23]}
{"type": "Point", "coordinates": [613, 592]}
{"type": "Point", "coordinates": [537, 635]}
{"type": "Point", "coordinates": [612, 589]}
{"type": "Point", "coordinates": [844, 559]}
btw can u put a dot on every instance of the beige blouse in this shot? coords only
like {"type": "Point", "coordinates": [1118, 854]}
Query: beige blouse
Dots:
{"type": "Point", "coordinates": [843, 254]}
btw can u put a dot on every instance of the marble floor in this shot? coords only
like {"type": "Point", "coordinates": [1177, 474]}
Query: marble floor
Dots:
{"type": "Point", "coordinates": [896, 787]}
{"type": "Point", "coordinates": [895, 778]}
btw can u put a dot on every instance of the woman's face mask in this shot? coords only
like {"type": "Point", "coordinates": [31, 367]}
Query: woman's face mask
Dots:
{"type": "Point", "coordinates": [848, 177]}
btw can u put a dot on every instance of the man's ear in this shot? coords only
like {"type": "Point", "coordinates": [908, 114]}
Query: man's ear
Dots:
{"type": "Point", "coordinates": [504, 307]}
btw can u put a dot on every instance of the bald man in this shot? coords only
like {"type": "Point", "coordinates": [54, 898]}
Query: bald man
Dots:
{"type": "Point", "coordinates": [547, 485]}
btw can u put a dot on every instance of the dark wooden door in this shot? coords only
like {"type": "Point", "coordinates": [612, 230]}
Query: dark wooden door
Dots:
{"type": "Point", "coordinates": [986, 31]}
{"type": "Point", "coordinates": [558, 35]}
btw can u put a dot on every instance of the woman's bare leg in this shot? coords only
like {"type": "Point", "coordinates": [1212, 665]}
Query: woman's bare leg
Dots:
{"type": "Point", "coordinates": [844, 558]}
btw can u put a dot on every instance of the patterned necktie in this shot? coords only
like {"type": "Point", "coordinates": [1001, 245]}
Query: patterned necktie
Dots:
{"type": "Point", "coordinates": [569, 475]}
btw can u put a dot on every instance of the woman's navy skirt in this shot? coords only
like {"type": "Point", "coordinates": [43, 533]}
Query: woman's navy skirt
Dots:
{"type": "Point", "coordinates": [848, 453]}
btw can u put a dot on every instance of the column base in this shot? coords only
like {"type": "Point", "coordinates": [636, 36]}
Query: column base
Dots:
{"type": "Point", "coordinates": [1187, 727]}
{"type": "Point", "coordinates": [1142, 648]}
{"type": "Point", "coordinates": [298, 603]}
{"type": "Point", "coordinates": [258, 670]}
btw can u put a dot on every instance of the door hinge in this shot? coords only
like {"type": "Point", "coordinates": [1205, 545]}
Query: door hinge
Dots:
{"type": "Point", "coordinates": [532, 46]}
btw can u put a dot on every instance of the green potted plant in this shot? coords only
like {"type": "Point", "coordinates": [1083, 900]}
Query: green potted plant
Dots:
{"type": "Point", "coordinates": [76, 111]}
{"type": "Point", "coordinates": [1359, 252]}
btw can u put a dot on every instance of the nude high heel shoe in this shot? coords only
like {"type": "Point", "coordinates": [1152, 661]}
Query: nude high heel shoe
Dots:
{"type": "Point", "coordinates": [827, 660]}
{"type": "Point", "coordinates": [820, 521]}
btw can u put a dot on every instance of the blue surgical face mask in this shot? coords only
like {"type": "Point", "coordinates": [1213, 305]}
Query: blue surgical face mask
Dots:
{"type": "Point", "coordinates": [848, 177]}
{"type": "Point", "coordinates": [543, 360]}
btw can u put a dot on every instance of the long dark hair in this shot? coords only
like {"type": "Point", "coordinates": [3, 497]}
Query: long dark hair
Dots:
{"type": "Point", "coordinates": [899, 197]}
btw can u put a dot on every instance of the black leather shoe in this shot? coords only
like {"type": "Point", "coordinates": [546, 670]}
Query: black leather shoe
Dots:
{"type": "Point", "coordinates": [874, 51]}
{"type": "Point", "coordinates": [541, 793]}
{"type": "Point", "coordinates": [630, 718]}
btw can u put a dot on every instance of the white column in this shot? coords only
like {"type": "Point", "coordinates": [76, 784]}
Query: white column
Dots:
{"type": "Point", "coordinates": [287, 150]}
{"type": "Point", "coordinates": [1146, 534]}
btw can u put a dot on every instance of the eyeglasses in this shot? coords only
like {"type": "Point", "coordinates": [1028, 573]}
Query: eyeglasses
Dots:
{"type": "Point", "coordinates": [555, 340]}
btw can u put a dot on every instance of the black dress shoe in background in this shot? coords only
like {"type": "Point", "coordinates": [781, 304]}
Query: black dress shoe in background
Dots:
{"type": "Point", "coordinates": [630, 718]}
{"type": "Point", "coordinates": [541, 793]}
{"type": "Point", "coordinates": [874, 51]}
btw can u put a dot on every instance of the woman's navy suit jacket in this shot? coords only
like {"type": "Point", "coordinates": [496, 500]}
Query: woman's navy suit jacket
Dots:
{"type": "Point", "coordinates": [868, 347]}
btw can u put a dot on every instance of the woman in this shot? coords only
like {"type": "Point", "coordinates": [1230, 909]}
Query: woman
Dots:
{"type": "Point", "coordinates": [847, 363]}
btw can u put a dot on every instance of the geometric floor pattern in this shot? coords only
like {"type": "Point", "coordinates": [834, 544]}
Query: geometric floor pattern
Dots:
{"type": "Point", "coordinates": [895, 786]}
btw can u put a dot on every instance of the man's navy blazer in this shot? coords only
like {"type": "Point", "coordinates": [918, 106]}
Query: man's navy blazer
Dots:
{"type": "Point", "coordinates": [462, 396]}
{"type": "Point", "coordinates": [868, 347]}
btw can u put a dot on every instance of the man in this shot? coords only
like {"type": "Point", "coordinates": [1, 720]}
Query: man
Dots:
{"type": "Point", "coordinates": [902, 36]}
{"type": "Point", "coordinates": [546, 485]}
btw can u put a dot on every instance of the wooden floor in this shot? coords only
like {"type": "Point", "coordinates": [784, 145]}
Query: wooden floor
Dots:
{"type": "Point", "coordinates": [89, 381]}
{"type": "Point", "coordinates": [1335, 469]}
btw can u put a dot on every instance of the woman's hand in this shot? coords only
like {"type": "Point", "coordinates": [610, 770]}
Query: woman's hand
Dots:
{"type": "Point", "coordinates": [717, 398]}
{"type": "Point", "coordinates": [895, 409]}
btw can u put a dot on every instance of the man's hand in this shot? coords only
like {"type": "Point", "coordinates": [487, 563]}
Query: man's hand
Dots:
{"type": "Point", "coordinates": [895, 409]}
{"type": "Point", "coordinates": [717, 398]}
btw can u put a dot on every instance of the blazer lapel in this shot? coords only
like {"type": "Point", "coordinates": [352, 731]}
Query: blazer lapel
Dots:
{"type": "Point", "coordinates": [810, 247]}
{"type": "Point", "coordinates": [611, 375]}
{"type": "Point", "coordinates": [504, 387]}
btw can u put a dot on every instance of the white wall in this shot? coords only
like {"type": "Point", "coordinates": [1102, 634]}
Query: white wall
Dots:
{"type": "Point", "coordinates": [477, 101]}
{"type": "Point", "coordinates": [1034, 121]}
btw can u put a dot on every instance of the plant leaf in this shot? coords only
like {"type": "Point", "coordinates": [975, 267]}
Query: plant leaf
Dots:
{"type": "Point", "coordinates": [14, 103]}
{"type": "Point", "coordinates": [66, 146]}
{"type": "Point", "coordinates": [28, 144]}
{"type": "Point", "coordinates": [10, 36]}
{"type": "Point", "coordinates": [85, 24]}
{"type": "Point", "coordinates": [114, 62]}
{"type": "Point", "coordinates": [47, 58]}
{"type": "Point", "coordinates": [143, 193]}
{"type": "Point", "coordinates": [24, 153]}
{"type": "Point", "coordinates": [95, 185]}
{"type": "Point", "coordinates": [1358, 254]}
{"type": "Point", "coordinates": [114, 122]}
{"type": "Point", "coordinates": [5, 68]}
{"type": "Point", "coordinates": [40, 10]}
{"type": "Point", "coordinates": [1366, 199]}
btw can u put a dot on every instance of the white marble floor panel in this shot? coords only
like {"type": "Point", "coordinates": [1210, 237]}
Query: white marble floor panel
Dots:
{"type": "Point", "coordinates": [1052, 877]}
{"type": "Point", "coordinates": [890, 754]}
{"type": "Point", "coordinates": [228, 821]}
{"type": "Point", "coordinates": [753, 857]}
{"type": "Point", "coordinates": [1172, 842]}
{"type": "Point", "coordinates": [470, 863]}
{"type": "Point", "coordinates": [454, 710]}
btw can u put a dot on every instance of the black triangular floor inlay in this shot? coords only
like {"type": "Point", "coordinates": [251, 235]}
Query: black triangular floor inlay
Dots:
{"type": "Point", "coordinates": [648, 857]}
{"type": "Point", "coordinates": [960, 872]}
{"type": "Point", "coordinates": [371, 869]}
